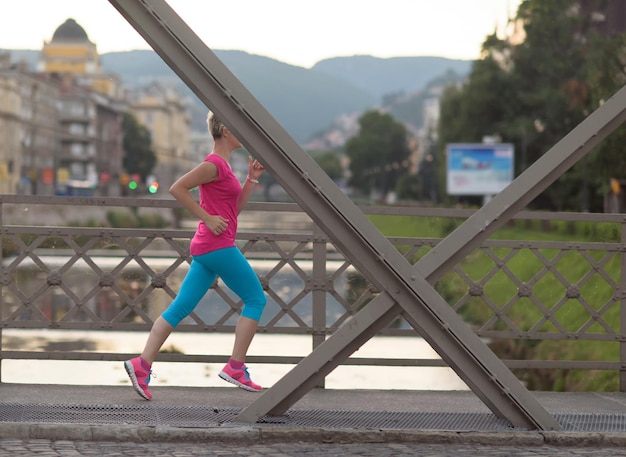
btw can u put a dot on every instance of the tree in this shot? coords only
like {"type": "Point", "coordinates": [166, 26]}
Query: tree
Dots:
{"type": "Point", "coordinates": [329, 162]}
{"type": "Point", "coordinates": [534, 93]}
{"type": "Point", "coordinates": [139, 158]}
{"type": "Point", "coordinates": [378, 154]}
{"type": "Point", "coordinates": [606, 75]}
{"type": "Point", "coordinates": [549, 77]}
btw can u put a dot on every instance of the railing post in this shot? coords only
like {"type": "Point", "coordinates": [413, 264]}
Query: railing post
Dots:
{"type": "Point", "coordinates": [319, 290]}
{"type": "Point", "coordinates": [1, 286]}
{"type": "Point", "coordinates": [622, 313]}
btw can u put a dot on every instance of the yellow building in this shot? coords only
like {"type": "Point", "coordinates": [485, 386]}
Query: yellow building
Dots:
{"type": "Point", "coordinates": [161, 110]}
{"type": "Point", "coordinates": [71, 52]}
{"type": "Point", "coordinates": [90, 108]}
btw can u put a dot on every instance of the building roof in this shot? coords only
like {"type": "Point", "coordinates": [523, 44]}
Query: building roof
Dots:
{"type": "Point", "coordinates": [70, 31]}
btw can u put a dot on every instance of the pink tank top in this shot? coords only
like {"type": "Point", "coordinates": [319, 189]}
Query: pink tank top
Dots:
{"type": "Point", "coordinates": [218, 197]}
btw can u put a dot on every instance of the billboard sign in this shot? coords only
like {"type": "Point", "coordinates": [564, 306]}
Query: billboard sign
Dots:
{"type": "Point", "coordinates": [478, 169]}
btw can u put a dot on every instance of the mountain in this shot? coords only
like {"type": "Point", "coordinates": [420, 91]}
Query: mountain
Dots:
{"type": "Point", "coordinates": [381, 77]}
{"type": "Point", "coordinates": [304, 101]}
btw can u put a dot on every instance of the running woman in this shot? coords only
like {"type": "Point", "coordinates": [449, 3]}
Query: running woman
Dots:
{"type": "Point", "coordinates": [214, 254]}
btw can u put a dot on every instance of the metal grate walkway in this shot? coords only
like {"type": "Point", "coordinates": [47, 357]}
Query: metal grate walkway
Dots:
{"type": "Point", "coordinates": [210, 417]}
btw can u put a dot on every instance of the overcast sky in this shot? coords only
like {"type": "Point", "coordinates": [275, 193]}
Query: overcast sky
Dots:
{"type": "Point", "coordinates": [297, 32]}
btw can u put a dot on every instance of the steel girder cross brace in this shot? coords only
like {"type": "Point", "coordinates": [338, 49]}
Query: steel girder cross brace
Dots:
{"type": "Point", "coordinates": [378, 313]}
{"type": "Point", "coordinates": [406, 288]}
{"type": "Point", "coordinates": [452, 249]}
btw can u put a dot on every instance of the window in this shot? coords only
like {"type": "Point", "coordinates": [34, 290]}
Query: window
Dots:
{"type": "Point", "coordinates": [77, 129]}
{"type": "Point", "coordinates": [77, 149]}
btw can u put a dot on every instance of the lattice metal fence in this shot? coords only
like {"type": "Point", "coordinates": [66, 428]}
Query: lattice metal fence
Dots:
{"type": "Point", "coordinates": [94, 278]}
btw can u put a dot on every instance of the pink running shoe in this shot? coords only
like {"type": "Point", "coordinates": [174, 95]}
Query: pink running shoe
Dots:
{"type": "Point", "coordinates": [240, 377]}
{"type": "Point", "coordinates": [139, 376]}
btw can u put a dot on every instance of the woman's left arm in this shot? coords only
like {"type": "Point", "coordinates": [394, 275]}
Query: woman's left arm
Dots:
{"type": "Point", "coordinates": [255, 170]}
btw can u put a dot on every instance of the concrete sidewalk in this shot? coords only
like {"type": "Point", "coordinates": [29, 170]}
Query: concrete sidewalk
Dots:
{"type": "Point", "coordinates": [106, 413]}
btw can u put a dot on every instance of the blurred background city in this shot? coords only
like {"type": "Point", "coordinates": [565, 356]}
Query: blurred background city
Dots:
{"type": "Point", "coordinates": [77, 122]}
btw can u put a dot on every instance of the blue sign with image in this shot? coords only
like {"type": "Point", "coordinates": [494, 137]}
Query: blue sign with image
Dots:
{"type": "Point", "coordinates": [478, 169]}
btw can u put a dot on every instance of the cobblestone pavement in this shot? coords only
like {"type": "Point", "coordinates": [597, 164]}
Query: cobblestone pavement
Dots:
{"type": "Point", "coordinates": [48, 448]}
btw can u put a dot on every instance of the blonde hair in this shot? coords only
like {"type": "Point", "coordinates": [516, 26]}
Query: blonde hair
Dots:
{"type": "Point", "coordinates": [216, 126]}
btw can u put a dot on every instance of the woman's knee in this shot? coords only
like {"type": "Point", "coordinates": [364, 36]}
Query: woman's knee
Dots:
{"type": "Point", "coordinates": [172, 317]}
{"type": "Point", "coordinates": [253, 309]}
{"type": "Point", "coordinates": [176, 312]}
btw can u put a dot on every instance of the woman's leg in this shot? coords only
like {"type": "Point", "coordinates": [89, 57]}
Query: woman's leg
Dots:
{"type": "Point", "coordinates": [244, 332]}
{"type": "Point", "coordinates": [197, 282]}
{"type": "Point", "coordinates": [235, 371]}
{"type": "Point", "coordinates": [239, 276]}
{"type": "Point", "coordinates": [158, 334]}
{"type": "Point", "coordinates": [194, 286]}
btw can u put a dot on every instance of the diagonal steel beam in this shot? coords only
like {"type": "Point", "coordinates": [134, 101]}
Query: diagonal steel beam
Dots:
{"type": "Point", "coordinates": [351, 231]}
{"type": "Point", "coordinates": [449, 251]}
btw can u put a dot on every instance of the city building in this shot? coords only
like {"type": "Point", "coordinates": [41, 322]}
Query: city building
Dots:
{"type": "Point", "coordinates": [71, 52]}
{"type": "Point", "coordinates": [165, 114]}
{"type": "Point", "coordinates": [89, 160]}
{"type": "Point", "coordinates": [200, 144]}
{"type": "Point", "coordinates": [91, 106]}
{"type": "Point", "coordinates": [62, 124]}
{"type": "Point", "coordinates": [29, 127]}
{"type": "Point", "coordinates": [10, 121]}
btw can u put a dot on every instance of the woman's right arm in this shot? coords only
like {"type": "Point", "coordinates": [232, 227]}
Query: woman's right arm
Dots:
{"type": "Point", "coordinates": [203, 173]}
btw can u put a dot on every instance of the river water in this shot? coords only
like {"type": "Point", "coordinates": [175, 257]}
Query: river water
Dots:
{"type": "Point", "coordinates": [205, 375]}
{"type": "Point", "coordinates": [286, 283]}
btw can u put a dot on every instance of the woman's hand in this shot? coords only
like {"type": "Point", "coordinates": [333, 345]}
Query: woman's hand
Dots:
{"type": "Point", "coordinates": [217, 224]}
{"type": "Point", "coordinates": [255, 169]}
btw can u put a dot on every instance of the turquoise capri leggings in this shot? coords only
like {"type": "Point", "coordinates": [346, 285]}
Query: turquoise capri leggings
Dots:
{"type": "Point", "coordinates": [234, 269]}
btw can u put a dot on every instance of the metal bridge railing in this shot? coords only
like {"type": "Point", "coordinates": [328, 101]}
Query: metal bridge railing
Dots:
{"type": "Point", "coordinates": [63, 269]}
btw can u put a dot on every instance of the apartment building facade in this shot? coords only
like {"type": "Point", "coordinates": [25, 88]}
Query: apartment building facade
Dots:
{"type": "Point", "coordinates": [62, 124]}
